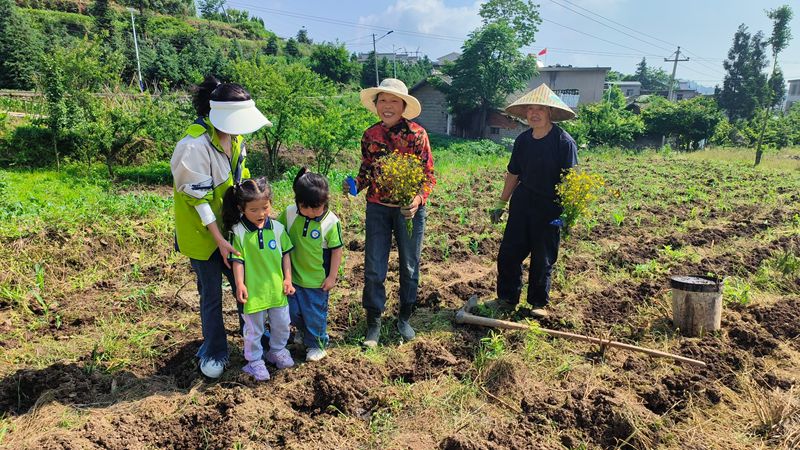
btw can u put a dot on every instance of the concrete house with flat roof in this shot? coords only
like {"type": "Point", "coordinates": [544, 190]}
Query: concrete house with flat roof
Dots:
{"type": "Point", "coordinates": [575, 85]}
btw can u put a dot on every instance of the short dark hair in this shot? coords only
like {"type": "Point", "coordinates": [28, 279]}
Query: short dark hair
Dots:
{"type": "Point", "coordinates": [310, 189]}
{"type": "Point", "coordinates": [212, 89]}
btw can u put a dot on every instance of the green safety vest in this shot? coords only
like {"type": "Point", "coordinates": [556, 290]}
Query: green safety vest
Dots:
{"type": "Point", "coordinates": [202, 173]}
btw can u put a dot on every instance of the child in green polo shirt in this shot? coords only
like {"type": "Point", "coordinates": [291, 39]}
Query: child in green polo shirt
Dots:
{"type": "Point", "coordinates": [262, 270]}
{"type": "Point", "coordinates": [317, 235]}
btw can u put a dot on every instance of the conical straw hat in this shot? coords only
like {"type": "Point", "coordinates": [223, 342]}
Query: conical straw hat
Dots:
{"type": "Point", "coordinates": [542, 95]}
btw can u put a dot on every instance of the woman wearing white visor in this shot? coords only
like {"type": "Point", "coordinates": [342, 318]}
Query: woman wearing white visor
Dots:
{"type": "Point", "coordinates": [205, 163]}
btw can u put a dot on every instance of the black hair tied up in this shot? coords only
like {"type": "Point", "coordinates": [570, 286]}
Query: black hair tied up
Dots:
{"type": "Point", "coordinates": [239, 195]}
{"type": "Point", "coordinates": [212, 89]}
{"type": "Point", "coordinates": [310, 189]}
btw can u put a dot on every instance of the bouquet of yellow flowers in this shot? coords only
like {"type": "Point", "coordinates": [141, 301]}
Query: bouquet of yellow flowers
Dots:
{"type": "Point", "coordinates": [577, 192]}
{"type": "Point", "coordinates": [401, 179]}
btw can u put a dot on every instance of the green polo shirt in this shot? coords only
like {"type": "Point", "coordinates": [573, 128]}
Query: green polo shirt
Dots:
{"type": "Point", "coordinates": [261, 252]}
{"type": "Point", "coordinates": [313, 238]}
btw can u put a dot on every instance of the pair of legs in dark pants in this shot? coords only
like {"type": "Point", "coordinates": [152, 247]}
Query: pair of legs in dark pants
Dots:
{"type": "Point", "coordinates": [381, 223]}
{"type": "Point", "coordinates": [528, 232]}
{"type": "Point", "coordinates": [308, 308]}
{"type": "Point", "coordinates": [209, 284]}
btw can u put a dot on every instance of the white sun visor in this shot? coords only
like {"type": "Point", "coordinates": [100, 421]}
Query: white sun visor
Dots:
{"type": "Point", "coordinates": [237, 118]}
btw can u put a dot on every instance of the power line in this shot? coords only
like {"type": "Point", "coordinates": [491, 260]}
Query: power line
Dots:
{"type": "Point", "coordinates": [354, 42]}
{"type": "Point", "coordinates": [670, 44]}
{"type": "Point", "coordinates": [350, 24]}
{"type": "Point", "coordinates": [609, 26]}
{"type": "Point", "coordinates": [593, 36]}
{"type": "Point", "coordinates": [634, 30]}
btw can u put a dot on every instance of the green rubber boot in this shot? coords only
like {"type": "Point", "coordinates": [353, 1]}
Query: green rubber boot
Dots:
{"type": "Point", "coordinates": [406, 332]}
{"type": "Point", "coordinates": [373, 330]}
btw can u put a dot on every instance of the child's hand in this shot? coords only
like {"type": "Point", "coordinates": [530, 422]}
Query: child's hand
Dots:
{"type": "Point", "coordinates": [241, 294]}
{"type": "Point", "coordinates": [288, 288]}
{"type": "Point", "coordinates": [329, 283]}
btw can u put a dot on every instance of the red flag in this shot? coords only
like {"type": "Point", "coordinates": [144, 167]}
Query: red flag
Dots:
{"type": "Point", "coordinates": [543, 52]}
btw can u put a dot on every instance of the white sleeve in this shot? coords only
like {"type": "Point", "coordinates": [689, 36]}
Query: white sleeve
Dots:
{"type": "Point", "coordinates": [206, 214]}
{"type": "Point", "coordinates": [191, 169]}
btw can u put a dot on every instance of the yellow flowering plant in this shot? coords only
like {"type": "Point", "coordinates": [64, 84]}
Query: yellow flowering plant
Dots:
{"type": "Point", "coordinates": [577, 192]}
{"type": "Point", "coordinates": [401, 179]}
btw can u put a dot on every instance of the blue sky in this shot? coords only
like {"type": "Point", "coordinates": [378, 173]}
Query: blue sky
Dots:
{"type": "Point", "coordinates": [704, 29]}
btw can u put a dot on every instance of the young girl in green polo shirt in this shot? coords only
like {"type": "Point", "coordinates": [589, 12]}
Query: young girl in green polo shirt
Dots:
{"type": "Point", "coordinates": [317, 236]}
{"type": "Point", "coordinates": [262, 270]}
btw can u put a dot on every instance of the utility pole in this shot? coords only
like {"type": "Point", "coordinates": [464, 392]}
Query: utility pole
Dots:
{"type": "Point", "coordinates": [394, 62]}
{"type": "Point", "coordinates": [136, 46]}
{"type": "Point", "coordinates": [375, 54]}
{"type": "Point", "coordinates": [674, 68]}
{"type": "Point", "coordinates": [672, 79]}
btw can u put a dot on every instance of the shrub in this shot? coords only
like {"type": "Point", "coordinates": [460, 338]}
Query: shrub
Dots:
{"type": "Point", "coordinates": [604, 124]}
{"type": "Point", "coordinates": [689, 121]}
{"type": "Point", "coordinates": [158, 173]}
{"type": "Point", "coordinates": [460, 146]}
{"type": "Point", "coordinates": [27, 146]}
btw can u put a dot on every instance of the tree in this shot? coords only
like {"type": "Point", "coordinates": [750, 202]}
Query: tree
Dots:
{"type": "Point", "coordinates": [606, 123]}
{"type": "Point", "coordinates": [284, 92]}
{"type": "Point", "coordinates": [368, 70]}
{"type": "Point", "coordinates": [272, 45]}
{"type": "Point", "coordinates": [413, 73]}
{"type": "Point", "coordinates": [744, 86]}
{"type": "Point", "coordinates": [302, 36]}
{"type": "Point", "coordinates": [489, 69]}
{"type": "Point", "coordinates": [520, 15]}
{"type": "Point", "coordinates": [335, 125]}
{"type": "Point", "coordinates": [68, 81]}
{"type": "Point", "coordinates": [652, 79]}
{"type": "Point", "coordinates": [170, 7]}
{"type": "Point", "coordinates": [781, 35]}
{"type": "Point", "coordinates": [115, 126]}
{"type": "Point", "coordinates": [20, 48]}
{"type": "Point", "coordinates": [292, 49]}
{"type": "Point", "coordinates": [689, 121]}
{"type": "Point", "coordinates": [333, 61]}
{"type": "Point", "coordinates": [103, 18]}
{"type": "Point", "coordinates": [209, 9]}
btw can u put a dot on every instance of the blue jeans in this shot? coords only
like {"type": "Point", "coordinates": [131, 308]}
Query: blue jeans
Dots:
{"type": "Point", "coordinates": [381, 223]}
{"type": "Point", "coordinates": [308, 308]}
{"type": "Point", "coordinates": [209, 285]}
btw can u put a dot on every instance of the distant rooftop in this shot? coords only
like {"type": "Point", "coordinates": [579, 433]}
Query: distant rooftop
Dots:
{"type": "Point", "coordinates": [560, 68]}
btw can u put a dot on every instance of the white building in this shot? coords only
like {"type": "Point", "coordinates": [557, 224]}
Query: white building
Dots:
{"type": "Point", "coordinates": [792, 94]}
{"type": "Point", "coordinates": [630, 89]}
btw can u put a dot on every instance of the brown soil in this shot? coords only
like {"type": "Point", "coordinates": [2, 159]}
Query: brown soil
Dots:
{"type": "Point", "coordinates": [576, 397]}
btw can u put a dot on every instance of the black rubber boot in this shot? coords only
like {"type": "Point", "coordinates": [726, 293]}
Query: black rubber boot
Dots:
{"type": "Point", "coordinates": [406, 332]}
{"type": "Point", "coordinates": [373, 330]}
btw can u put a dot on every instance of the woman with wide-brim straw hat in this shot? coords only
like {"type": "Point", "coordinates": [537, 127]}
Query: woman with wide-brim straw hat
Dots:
{"type": "Point", "coordinates": [206, 162]}
{"type": "Point", "coordinates": [394, 133]}
{"type": "Point", "coordinates": [540, 156]}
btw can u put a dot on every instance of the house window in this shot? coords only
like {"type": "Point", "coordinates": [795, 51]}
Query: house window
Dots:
{"type": "Point", "coordinates": [569, 96]}
{"type": "Point", "coordinates": [628, 92]}
{"type": "Point", "coordinates": [679, 97]}
{"type": "Point", "coordinates": [494, 130]}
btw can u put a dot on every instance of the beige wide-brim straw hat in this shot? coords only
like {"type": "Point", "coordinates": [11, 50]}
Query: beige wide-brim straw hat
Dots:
{"type": "Point", "coordinates": [395, 87]}
{"type": "Point", "coordinates": [241, 117]}
{"type": "Point", "coordinates": [542, 95]}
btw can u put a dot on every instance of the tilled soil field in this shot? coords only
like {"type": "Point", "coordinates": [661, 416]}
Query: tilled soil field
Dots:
{"type": "Point", "coordinates": [99, 336]}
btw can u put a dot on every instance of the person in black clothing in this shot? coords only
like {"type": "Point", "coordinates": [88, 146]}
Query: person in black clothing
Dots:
{"type": "Point", "coordinates": [540, 156]}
